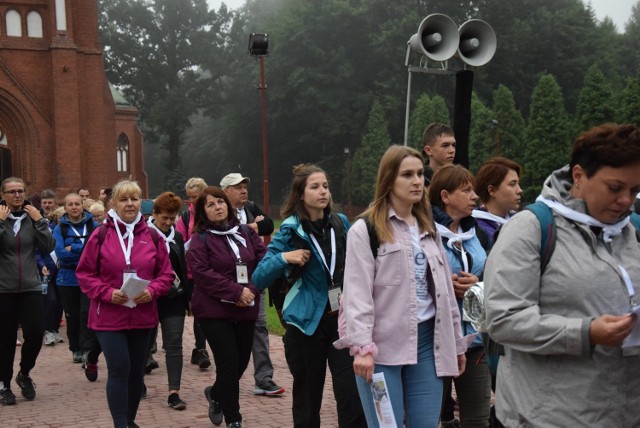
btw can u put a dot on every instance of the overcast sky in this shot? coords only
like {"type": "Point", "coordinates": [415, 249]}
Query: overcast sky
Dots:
{"type": "Point", "coordinates": [618, 10]}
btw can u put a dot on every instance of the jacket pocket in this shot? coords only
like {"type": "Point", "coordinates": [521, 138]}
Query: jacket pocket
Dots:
{"type": "Point", "coordinates": [390, 265]}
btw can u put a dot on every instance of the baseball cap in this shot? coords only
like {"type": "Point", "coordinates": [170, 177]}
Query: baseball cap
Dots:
{"type": "Point", "coordinates": [233, 179]}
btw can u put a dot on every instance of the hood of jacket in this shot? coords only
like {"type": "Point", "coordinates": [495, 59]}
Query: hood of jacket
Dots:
{"type": "Point", "coordinates": [86, 218]}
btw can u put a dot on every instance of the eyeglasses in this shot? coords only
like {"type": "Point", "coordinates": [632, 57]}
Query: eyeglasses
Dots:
{"type": "Point", "coordinates": [14, 192]}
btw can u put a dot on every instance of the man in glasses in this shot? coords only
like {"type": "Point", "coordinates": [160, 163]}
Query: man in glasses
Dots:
{"type": "Point", "coordinates": [22, 230]}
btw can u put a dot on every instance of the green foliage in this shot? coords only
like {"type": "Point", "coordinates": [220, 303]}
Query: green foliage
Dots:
{"type": "Point", "coordinates": [510, 125]}
{"type": "Point", "coordinates": [548, 136]}
{"type": "Point", "coordinates": [595, 104]}
{"type": "Point", "coordinates": [482, 134]}
{"type": "Point", "coordinates": [631, 101]}
{"type": "Point", "coordinates": [366, 159]}
{"type": "Point", "coordinates": [427, 110]}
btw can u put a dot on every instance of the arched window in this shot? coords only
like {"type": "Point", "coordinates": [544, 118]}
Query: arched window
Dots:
{"type": "Point", "coordinates": [123, 153]}
{"type": "Point", "coordinates": [3, 139]}
{"type": "Point", "coordinates": [14, 24]}
{"type": "Point", "coordinates": [34, 24]}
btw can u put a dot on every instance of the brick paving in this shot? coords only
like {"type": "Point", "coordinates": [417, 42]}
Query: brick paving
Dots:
{"type": "Point", "coordinates": [65, 398]}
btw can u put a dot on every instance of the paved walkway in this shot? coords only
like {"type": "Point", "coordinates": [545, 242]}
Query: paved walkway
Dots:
{"type": "Point", "coordinates": [65, 398]}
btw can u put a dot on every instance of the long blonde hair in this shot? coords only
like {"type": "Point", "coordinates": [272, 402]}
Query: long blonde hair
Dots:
{"type": "Point", "coordinates": [378, 212]}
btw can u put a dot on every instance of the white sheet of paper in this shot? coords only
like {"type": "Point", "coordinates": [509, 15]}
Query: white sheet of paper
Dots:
{"type": "Point", "coordinates": [253, 302]}
{"type": "Point", "coordinates": [382, 402]}
{"type": "Point", "coordinates": [133, 286]}
{"type": "Point", "coordinates": [634, 337]}
{"type": "Point", "coordinates": [54, 257]}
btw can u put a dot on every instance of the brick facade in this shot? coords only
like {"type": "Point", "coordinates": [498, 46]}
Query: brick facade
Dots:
{"type": "Point", "coordinates": [57, 113]}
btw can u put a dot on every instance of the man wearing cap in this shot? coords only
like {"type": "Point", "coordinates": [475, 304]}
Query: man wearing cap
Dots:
{"type": "Point", "coordinates": [235, 186]}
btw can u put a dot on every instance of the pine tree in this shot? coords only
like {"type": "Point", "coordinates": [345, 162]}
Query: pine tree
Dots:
{"type": "Point", "coordinates": [548, 136]}
{"type": "Point", "coordinates": [631, 101]}
{"type": "Point", "coordinates": [481, 134]}
{"type": "Point", "coordinates": [595, 103]}
{"type": "Point", "coordinates": [426, 111]}
{"type": "Point", "coordinates": [510, 126]}
{"type": "Point", "coordinates": [366, 159]}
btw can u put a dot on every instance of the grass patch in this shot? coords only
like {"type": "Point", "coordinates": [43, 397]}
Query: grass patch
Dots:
{"type": "Point", "coordinates": [273, 322]}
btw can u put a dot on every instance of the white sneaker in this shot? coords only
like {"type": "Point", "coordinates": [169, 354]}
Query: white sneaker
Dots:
{"type": "Point", "coordinates": [58, 338]}
{"type": "Point", "coordinates": [49, 339]}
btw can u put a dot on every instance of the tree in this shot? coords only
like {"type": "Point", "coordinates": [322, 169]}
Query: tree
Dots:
{"type": "Point", "coordinates": [482, 141]}
{"type": "Point", "coordinates": [426, 111]}
{"type": "Point", "coordinates": [366, 159]}
{"type": "Point", "coordinates": [548, 136]}
{"type": "Point", "coordinates": [510, 125]}
{"type": "Point", "coordinates": [631, 101]}
{"type": "Point", "coordinates": [595, 103]}
{"type": "Point", "coordinates": [153, 52]}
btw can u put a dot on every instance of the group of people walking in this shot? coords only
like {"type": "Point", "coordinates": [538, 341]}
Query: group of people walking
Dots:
{"type": "Point", "coordinates": [379, 302]}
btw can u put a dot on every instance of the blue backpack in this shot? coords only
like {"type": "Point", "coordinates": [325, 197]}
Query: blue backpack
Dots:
{"type": "Point", "coordinates": [548, 233]}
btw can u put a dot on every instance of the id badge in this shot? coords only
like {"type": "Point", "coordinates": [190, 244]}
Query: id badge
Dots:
{"type": "Point", "coordinates": [334, 298]}
{"type": "Point", "coordinates": [176, 281]}
{"type": "Point", "coordinates": [242, 274]}
{"type": "Point", "coordinates": [127, 273]}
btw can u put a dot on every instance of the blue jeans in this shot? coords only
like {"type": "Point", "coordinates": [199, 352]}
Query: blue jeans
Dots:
{"type": "Point", "coordinates": [415, 390]}
{"type": "Point", "coordinates": [125, 352]}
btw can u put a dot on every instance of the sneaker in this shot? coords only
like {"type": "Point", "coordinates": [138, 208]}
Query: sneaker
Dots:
{"type": "Point", "coordinates": [132, 424]}
{"type": "Point", "coordinates": [203, 359]}
{"type": "Point", "coordinates": [234, 425]}
{"type": "Point", "coordinates": [268, 388]}
{"type": "Point", "coordinates": [151, 365]}
{"type": "Point", "coordinates": [175, 402]}
{"type": "Point", "coordinates": [49, 339]}
{"type": "Point", "coordinates": [194, 356]}
{"type": "Point", "coordinates": [77, 357]}
{"type": "Point", "coordinates": [26, 385]}
{"type": "Point", "coordinates": [6, 397]}
{"type": "Point", "coordinates": [91, 371]}
{"type": "Point", "coordinates": [58, 338]}
{"type": "Point", "coordinates": [215, 412]}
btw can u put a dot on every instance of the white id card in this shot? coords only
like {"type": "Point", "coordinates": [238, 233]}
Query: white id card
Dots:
{"type": "Point", "coordinates": [334, 298]}
{"type": "Point", "coordinates": [242, 274]}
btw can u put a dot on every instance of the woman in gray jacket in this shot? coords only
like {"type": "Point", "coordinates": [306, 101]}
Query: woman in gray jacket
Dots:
{"type": "Point", "coordinates": [563, 324]}
{"type": "Point", "coordinates": [22, 228]}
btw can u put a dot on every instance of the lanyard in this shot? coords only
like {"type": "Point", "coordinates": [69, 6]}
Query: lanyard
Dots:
{"type": "Point", "coordinates": [126, 249]}
{"type": "Point", "coordinates": [81, 236]}
{"type": "Point", "coordinates": [333, 253]}
{"type": "Point", "coordinates": [234, 248]}
{"type": "Point", "coordinates": [629, 284]}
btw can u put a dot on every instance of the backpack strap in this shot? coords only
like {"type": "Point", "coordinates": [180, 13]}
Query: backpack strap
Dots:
{"type": "Point", "coordinates": [548, 231]}
{"type": "Point", "coordinates": [374, 242]}
{"type": "Point", "coordinates": [186, 218]}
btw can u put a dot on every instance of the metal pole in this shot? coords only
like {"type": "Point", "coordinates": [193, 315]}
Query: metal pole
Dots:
{"type": "Point", "coordinates": [406, 113]}
{"type": "Point", "coordinates": [265, 164]}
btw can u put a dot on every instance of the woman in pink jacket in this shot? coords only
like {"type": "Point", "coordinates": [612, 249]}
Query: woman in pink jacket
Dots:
{"type": "Point", "coordinates": [122, 247]}
{"type": "Point", "coordinates": [399, 313]}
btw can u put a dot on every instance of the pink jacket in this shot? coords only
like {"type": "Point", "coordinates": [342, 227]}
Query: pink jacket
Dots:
{"type": "Point", "coordinates": [380, 305]}
{"type": "Point", "coordinates": [98, 278]}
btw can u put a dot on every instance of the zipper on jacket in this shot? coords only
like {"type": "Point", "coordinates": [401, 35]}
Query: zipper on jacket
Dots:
{"type": "Point", "coordinates": [19, 263]}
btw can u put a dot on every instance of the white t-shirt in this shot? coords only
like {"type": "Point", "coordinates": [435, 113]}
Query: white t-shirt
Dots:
{"type": "Point", "coordinates": [426, 308]}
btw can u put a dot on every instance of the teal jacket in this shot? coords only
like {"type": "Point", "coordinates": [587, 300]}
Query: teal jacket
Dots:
{"type": "Point", "coordinates": [307, 299]}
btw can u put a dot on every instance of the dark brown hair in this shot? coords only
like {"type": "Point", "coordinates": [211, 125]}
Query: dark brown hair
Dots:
{"type": "Point", "coordinates": [294, 203]}
{"type": "Point", "coordinates": [433, 131]}
{"type": "Point", "coordinates": [449, 178]}
{"type": "Point", "coordinates": [492, 173]}
{"type": "Point", "coordinates": [609, 144]}
{"type": "Point", "coordinates": [201, 222]}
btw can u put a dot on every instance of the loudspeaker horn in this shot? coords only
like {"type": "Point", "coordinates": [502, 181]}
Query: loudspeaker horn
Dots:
{"type": "Point", "coordinates": [437, 37]}
{"type": "Point", "coordinates": [477, 42]}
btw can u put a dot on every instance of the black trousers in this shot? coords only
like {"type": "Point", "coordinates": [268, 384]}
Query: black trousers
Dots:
{"type": "Point", "coordinates": [231, 343]}
{"type": "Point", "coordinates": [71, 302]}
{"type": "Point", "coordinates": [307, 357]}
{"type": "Point", "coordinates": [26, 310]}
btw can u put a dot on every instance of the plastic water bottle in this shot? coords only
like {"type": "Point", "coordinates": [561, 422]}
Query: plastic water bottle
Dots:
{"type": "Point", "coordinates": [45, 284]}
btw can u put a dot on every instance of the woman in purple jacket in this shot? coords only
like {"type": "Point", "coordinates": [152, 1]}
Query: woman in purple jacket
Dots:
{"type": "Point", "coordinates": [400, 315]}
{"type": "Point", "coordinates": [222, 257]}
{"type": "Point", "coordinates": [122, 247]}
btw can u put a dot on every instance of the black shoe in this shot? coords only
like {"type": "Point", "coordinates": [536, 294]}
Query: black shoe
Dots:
{"type": "Point", "coordinates": [203, 359]}
{"type": "Point", "coordinates": [132, 424]}
{"type": "Point", "coordinates": [175, 402]}
{"type": "Point", "coordinates": [151, 365]}
{"type": "Point", "coordinates": [194, 356]}
{"type": "Point", "coordinates": [91, 371]}
{"type": "Point", "coordinates": [234, 425]}
{"type": "Point", "coordinates": [6, 397]}
{"type": "Point", "coordinates": [27, 386]}
{"type": "Point", "coordinates": [268, 388]}
{"type": "Point", "coordinates": [215, 412]}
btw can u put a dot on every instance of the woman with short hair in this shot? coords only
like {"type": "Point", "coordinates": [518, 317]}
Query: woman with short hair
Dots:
{"type": "Point", "coordinates": [563, 323]}
{"type": "Point", "coordinates": [124, 247]}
